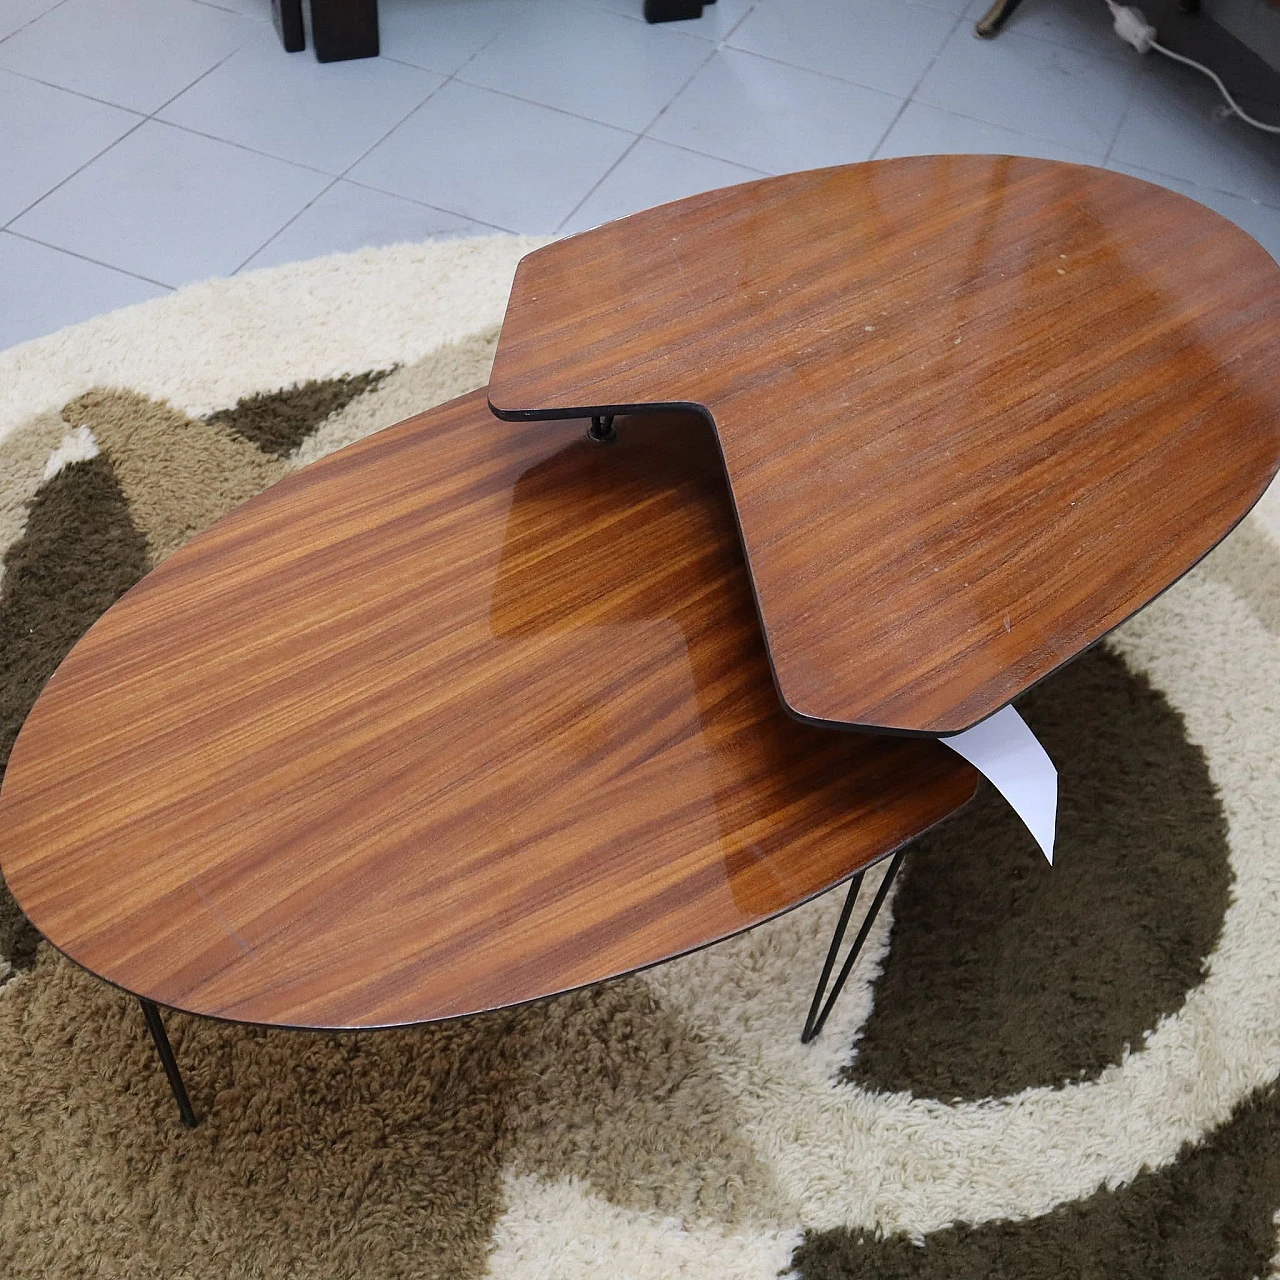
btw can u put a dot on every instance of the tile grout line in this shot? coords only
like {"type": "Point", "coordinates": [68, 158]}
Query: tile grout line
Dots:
{"type": "Point", "coordinates": [44, 195]}
{"type": "Point", "coordinates": [1041, 38]}
{"type": "Point", "coordinates": [279, 231]}
{"type": "Point", "coordinates": [239, 146]}
{"type": "Point", "coordinates": [644, 133]}
{"type": "Point", "coordinates": [148, 115]}
{"type": "Point", "coordinates": [426, 204]}
{"type": "Point", "coordinates": [1129, 100]}
{"type": "Point", "coordinates": [455, 77]}
{"type": "Point", "coordinates": [705, 155]}
{"type": "Point", "coordinates": [716, 47]}
{"type": "Point", "coordinates": [203, 75]}
{"type": "Point", "coordinates": [371, 147]}
{"type": "Point", "coordinates": [222, 8]}
{"type": "Point", "coordinates": [451, 78]}
{"type": "Point", "coordinates": [991, 124]}
{"type": "Point", "coordinates": [637, 17]}
{"type": "Point", "coordinates": [813, 71]}
{"type": "Point", "coordinates": [634, 143]}
{"type": "Point", "coordinates": [961, 115]}
{"type": "Point", "coordinates": [910, 98]}
{"type": "Point", "coordinates": [1201, 186]}
{"type": "Point", "coordinates": [98, 156]}
{"type": "Point", "coordinates": [148, 118]}
{"type": "Point", "coordinates": [960, 20]}
{"type": "Point", "coordinates": [435, 208]}
{"type": "Point", "coordinates": [448, 79]}
{"type": "Point", "coordinates": [415, 66]}
{"type": "Point", "coordinates": [723, 43]}
{"type": "Point", "coordinates": [84, 257]}
{"type": "Point", "coordinates": [529, 102]}
{"type": "Point", "coordinates": [31, 21]}
{"type": "Point", "coordinates": [631, 146]}
{"type": "Point", "coordinates": [75, 93]}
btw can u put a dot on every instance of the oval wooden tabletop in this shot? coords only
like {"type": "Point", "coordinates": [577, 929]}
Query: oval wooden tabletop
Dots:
{"type": "Point", "coordinates": [975, 410]}
{"type": "Point", "coordinates": [457, 717]}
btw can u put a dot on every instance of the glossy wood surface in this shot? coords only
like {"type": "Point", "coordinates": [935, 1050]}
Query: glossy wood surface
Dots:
{"type": "Point", "coordinates": [457, 717]}
{"type": "Point", "coordinates": [975, 410]}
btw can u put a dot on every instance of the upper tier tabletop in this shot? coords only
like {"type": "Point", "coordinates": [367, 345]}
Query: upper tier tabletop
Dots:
{"type": "Point", "coordinates": [975, 410]}
{"type": "Point", "coordinates": [459, 716]}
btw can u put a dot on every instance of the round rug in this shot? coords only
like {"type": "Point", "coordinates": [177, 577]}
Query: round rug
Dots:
{"type": "Point", "coordinates": [1034, 1071]}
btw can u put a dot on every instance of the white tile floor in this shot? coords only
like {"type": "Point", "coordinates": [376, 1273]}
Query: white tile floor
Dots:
{"type": "Point", "coordinates": [148, 143]}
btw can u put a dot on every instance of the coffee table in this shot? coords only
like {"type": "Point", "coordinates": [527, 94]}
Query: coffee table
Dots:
{"type": "Point", "coordinates": [974, 410]}
{"type": "Point", "coordinates": [472, 712]}
{"type": "Point", "coordinates": [458, 717]}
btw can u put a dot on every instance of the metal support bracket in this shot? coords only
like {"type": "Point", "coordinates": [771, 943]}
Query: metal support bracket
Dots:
{"type": "Point", "coordinates": [601, 429]}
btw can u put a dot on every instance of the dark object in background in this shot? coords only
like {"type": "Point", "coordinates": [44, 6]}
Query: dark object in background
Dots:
{"type": "Point", "coordinates": [287, 15]}
{"type": "Point", "coordinates": [673, 10]}
{"type": "Point", "coordinates": [995, 18]}
{"type": "Point", "coordinates": [342, 29]}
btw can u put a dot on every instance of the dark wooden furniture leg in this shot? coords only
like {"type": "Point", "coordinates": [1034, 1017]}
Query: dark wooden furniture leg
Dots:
{"type": "Point", "coordinates": [344, 29]}
{"type": "Point", "coordinates": [288, 19]}
{"type": "Point", "coordinates": [160, 1038]}
{"type": "Point", "coordinates": [673, 10]}
{"type": "Point", "coordinates": [995, 18]}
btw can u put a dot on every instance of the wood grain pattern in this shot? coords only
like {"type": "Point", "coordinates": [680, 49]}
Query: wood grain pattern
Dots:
{"type": "Point", "coordinates": [975, 410]}
{"type": "Point", "coordinates": [458, 717]}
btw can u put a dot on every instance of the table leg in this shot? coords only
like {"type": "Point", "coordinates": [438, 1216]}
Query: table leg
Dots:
{"type": "Point", "coordinates": [995, 18]}
{"type": "Point", "coordinates": [673, 10]}
{"type": "Point", "coordinates": [601, 429]}
{"type": "Point", "coordinates": [288, 19]}
{"type": "Point", "coordinates": [817, 1020]}
{"type": "Point", "coordinates": [345, 29]}
{"type": "Point", "coordinates": [156, 1026]}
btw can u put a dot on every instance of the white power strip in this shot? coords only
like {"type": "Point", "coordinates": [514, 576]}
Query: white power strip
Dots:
{"type": "Point", "coordinates": [1133, 28]}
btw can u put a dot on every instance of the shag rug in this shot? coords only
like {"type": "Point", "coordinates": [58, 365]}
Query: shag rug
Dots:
{"type": "Point", "coordinates": [1035, 1071]}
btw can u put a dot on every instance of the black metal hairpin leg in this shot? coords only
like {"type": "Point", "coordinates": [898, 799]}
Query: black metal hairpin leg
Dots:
{"type": "Point", "coordinates": [156, 1026]}
{"type": "Point", "coordinates": [814, 1023]}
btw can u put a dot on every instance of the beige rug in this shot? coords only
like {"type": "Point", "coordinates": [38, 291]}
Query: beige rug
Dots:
{"type": "Point", "coordinates": [1034, 1072]}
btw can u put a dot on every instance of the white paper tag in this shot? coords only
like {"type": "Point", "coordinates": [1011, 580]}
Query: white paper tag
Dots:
{"type": "Point", "coordinates": [1005, 750]}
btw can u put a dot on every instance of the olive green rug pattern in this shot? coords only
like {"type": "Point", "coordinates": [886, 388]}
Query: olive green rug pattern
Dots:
{"type": "Point", "coordinates": [1034, 1072]}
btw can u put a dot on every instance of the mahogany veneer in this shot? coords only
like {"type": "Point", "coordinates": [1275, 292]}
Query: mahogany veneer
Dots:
{"type": "Point", "coordinates": [457, 717]}
{"type": "Point", "coordinates": [975, 410]}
